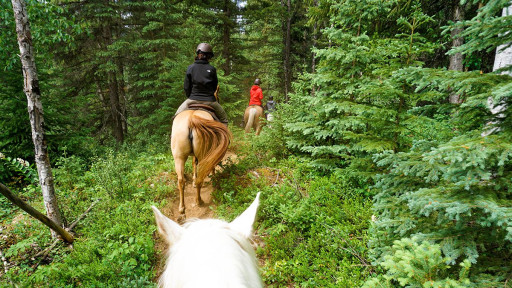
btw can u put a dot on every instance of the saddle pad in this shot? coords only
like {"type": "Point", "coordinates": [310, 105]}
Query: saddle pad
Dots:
{"type": "Point", "coordinates": [197, 106]}
{"type": "Point", "coordinates": [204, 107]}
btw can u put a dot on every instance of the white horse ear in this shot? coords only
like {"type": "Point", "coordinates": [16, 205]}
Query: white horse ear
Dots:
{"type": "Point", "coordinates": [243, 223]}
{"type": "Point", "coordinates": [169, 229]}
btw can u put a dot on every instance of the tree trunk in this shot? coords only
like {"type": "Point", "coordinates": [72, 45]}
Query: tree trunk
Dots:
{"type": "Point", "coordinates": [503, 56]}
{"type": "Point", "coordinates": [226, 33]}
{"type": "Point", "coordinates": [287, 49]}
{"type": "Point", "coordinates": [113, 85]}
{"type": "Point", "coordinates": [313, 56]}
{"type": "Point", "coordinates": [35, 111]}
{"type": "Point", "coordinates": [457, 58]}
{"type": "Point", "coordinates": [115, 108]}
{"type": "Point", "coordinates": [502, 59]}
{"type": "Point", "coordinates": [122, 96]}
{"type": "Point", "coordinates": [315, 40]}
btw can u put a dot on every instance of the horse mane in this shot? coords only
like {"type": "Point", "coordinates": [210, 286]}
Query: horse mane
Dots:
{"type": "Point", "coordinates": [211, 254]}
{"type": "Point", "coordinates": [215, 137]}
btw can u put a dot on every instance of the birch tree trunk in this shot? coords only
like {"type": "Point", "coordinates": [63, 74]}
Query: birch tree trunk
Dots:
{"type": "Point", "coordinates": [503, 55]}
{"type": "Point", "coordinates": [35, 111]}
{"type": "Point", "coordinates": [502, 59]}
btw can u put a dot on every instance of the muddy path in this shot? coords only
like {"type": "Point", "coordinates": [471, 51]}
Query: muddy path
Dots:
{"type": "Point", "coordinates": [171, 210]}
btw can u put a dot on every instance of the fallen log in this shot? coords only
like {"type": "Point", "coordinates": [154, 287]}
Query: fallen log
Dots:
{"type": "Point", "coordinates": [66, 236]}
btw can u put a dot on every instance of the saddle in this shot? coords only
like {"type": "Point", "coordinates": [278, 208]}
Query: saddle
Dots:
{"type": "Point", "coordinates": [204, 107]}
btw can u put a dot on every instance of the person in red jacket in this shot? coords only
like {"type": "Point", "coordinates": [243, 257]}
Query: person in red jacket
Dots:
{"type": "Point", "coordinates": [256, 93]}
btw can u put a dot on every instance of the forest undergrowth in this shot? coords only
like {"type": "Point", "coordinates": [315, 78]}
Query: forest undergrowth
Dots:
{"type": "Point", "coordinates": [311, 229]}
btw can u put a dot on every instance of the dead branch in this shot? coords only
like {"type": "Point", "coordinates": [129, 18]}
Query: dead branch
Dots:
{"type": "Point", "coordinates": [83, 215]}
{"type": "Point", "coordinates": [277, 179]}
{"type": "Point", "coordinates": [36, 214]}
{"type": "Point", "coordinates": [46, 251]}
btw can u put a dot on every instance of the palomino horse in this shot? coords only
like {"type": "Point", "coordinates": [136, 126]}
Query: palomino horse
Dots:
{"type": "Point", "coordinates": [195, 133]}
{"type": "Point", "coordinates": [252, 118]}
{"type": "Point", "coordinates": [210, 252]}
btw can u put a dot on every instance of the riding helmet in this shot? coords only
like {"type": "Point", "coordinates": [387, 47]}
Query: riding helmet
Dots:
{"type": "Point", "coordinates": [257, 81]}
{"type": "Point", "coordinates": [204, 48]}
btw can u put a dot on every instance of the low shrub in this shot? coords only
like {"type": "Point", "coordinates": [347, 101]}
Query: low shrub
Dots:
{"type": "Point", "coordinates": [114, 245]}
{"type": "Point", "coordinates": [312, 230]}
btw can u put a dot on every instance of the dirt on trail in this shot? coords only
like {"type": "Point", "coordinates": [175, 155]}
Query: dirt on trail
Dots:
{"type": "Point", "coordinates": [171, 210]}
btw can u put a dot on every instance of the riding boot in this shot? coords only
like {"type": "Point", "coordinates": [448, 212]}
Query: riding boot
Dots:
{"type": "Point", "coordinates": [219, 111]}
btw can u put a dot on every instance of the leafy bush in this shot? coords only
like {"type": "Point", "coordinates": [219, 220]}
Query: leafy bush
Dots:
{"type": "Point", "coordinates": [12, 168]}
{"type": "Point", "coordinates": [114, 246]}
{"type": "Point", "coordinates": [312, 227]}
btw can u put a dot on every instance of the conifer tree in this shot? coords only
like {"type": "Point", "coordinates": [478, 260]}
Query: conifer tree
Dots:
{"type": "Point", "coordinates": [357, 111]}
{"type": "Point", "coordinates": [451, 190]}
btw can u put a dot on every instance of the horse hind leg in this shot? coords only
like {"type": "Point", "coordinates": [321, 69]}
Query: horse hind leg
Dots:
{"type": "Point", "coordinates": [196, 182]}
{"type": "Point", "coordinates": [194, 171]}
{"type": "Point", "coordinates": [179, 165]}
{"type": "Point", "coordinates": [199, 201]}
{"type": "Point", "coordinates": [257, 127]}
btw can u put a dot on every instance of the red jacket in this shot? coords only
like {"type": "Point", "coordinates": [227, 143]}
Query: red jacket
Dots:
{"type": "Point", "coordinates": [256, 95]}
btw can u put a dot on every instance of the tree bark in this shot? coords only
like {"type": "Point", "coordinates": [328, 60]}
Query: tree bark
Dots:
{"type": "Point", "coordinates": [35, 111]}
{"type": "Point", "coordinates": [113, 85]}
{"type": "Point", "coordinates": [36, 214]}
{"type": "Point", "coordinates": [502, 59]}
{"type": "Point", "coordinates": [122, 96]}
{"type": "Point", "coordinates": [313, 57]}
{"type": "Point", "coordinates": [456, 60]}
{"type": "Point", "coordinates": [313, 54]}
{"type": "Point", "coordinates": [503, 56]}
{"type": "Point", "coordinates": [287, 50]}
{"type": "Point", "coordinates": [115, 108]}
{"type": "Point", "coordinates": [226, 37]}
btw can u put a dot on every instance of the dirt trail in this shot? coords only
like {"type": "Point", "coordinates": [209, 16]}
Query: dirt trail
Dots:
{"type": "Point", "coordinates": [171, 210]}
{"type": "Point", "coordinates": [191, 210]}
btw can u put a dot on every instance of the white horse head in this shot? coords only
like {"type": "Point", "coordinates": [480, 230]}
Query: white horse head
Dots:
{"type": "Point", "coordinates": [210, 253]}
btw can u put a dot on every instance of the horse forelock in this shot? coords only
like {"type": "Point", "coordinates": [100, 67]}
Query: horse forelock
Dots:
{"type": "Point", "coordinates": [210, 254]}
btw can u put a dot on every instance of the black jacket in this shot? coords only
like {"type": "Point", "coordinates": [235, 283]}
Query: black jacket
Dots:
{"type": "Point", "coordinates": [201, 81]}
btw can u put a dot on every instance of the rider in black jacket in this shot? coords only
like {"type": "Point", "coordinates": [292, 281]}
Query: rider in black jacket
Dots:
{"type": "Point", "coordinates": [201, 82]}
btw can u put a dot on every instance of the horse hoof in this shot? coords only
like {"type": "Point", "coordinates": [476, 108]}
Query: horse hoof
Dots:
{"type": "Point", "coordinates": [181, 219]}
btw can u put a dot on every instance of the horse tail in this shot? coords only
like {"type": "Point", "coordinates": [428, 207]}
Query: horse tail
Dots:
{"type": "Point", "coordinates": [250, 120]}
{"type": "Point", "coordinates": [214, 140]}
